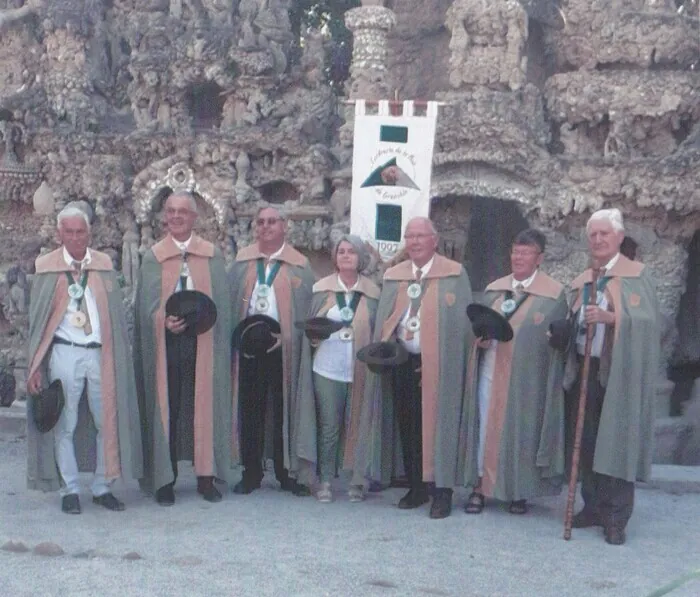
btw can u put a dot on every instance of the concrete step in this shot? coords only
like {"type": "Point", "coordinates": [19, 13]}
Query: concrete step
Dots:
{"type": "Point", "coordinates": [14, 419]}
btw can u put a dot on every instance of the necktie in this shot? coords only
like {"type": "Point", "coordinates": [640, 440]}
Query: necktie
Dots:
{"type": "Point", "coordinates": [184, 272]}
{"type": "Point", "coordinates": [519, 290]}
{"type": "Point", "coordinates": [415, 305]}
{"type": "Point", "coordinates": [82, 306]}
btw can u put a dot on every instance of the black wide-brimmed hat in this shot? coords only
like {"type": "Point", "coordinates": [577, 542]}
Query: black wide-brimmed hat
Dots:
{"type": "Point", "coordinates": [560, 332]}
{"type": "Point", "coordinates": [381, 356]}
{"type": "Point", "coordinates": [195, 307]}
{"type": "Point", "coordinates": [489, 324]}
{"type": "Point", "coordinates": [47, 406]}
{"type": "Point", "coordinates": [253, 335]}
{"type": "Point", "coordinates": [319, 328]}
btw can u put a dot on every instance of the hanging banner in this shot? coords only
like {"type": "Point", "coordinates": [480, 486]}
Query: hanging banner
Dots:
{"type": "Point", "coordinates": [391, 167]}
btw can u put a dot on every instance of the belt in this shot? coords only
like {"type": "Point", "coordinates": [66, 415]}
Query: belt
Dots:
{"type": "Point", "coordinates": [57, 340]}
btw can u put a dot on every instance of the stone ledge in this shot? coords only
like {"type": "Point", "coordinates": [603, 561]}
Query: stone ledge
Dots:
{"type": "Point", "coordinates": [673, 478]}
{"type": "Point", "coordinates": [14, 419]}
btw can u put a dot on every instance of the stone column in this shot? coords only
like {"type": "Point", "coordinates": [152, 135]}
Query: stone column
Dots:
{"type": "Point", "coordinates": [370, 25]}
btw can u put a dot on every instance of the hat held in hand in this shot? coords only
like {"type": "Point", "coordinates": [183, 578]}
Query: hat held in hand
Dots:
{"type": "Point", "coordinates": [560, 332]}
{"type": "Point", "coordinates": [489, 324]}
{"type": "Point", "coordinates": [195, 307]}
{"type": "Point", "coordinates": [47, 406]}
{"type": "Point", "coordinates": [253, 336]}
{"type": "Point", "coordinates": [382, 356]}
{"type": "Point", "coordinates": [319, 328]}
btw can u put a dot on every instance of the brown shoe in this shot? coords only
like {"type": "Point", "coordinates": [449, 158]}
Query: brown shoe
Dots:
{"type": "Point", "coordinates": [586, 518]}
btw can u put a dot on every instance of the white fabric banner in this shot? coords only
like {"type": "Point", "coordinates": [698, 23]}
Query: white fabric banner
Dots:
{"type": "Point", "coordinates": [391, 167]}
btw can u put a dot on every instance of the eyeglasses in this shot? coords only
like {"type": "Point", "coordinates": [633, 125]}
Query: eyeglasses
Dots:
{"type": "Point", "coordinates": [268, 221]}
{"type": "Point", "coordinates": [178, 212]}
{"type": "Point", "coordinates": [524, 253]}
{"type": "Point", "coordinates": [410, 237]}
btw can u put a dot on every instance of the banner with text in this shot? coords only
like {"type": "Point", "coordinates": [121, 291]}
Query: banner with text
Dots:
{"type": "Point", "coordinates": [391, 167]}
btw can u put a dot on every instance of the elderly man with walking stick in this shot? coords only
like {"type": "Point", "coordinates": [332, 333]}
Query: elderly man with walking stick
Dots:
{"type": "Point", "coordinates": [621, 321]}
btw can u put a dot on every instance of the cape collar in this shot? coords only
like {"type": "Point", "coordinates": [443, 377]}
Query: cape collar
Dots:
{"type": "Point", "coordinates": [288, 255]}
{"type": "Point", "coordinates": [542, 285]}
{"type": "Point", "coordinates": [331, 284]}
{"type": "Point", "coordinates": [442, 268]}
{"type": "Point", "coordinates": [55, 262]}
{"type": "Point", "coordinates": [167, 249]}
{"type": "Point", "coordinates": [624, 268]}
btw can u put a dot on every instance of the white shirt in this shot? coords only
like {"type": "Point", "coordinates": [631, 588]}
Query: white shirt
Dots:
{"type": "Point", "coordinates": [335, 358]}
{"type": "Point", "coordinates": [185, 269]}
{"type": "Point", "coordinates": [69, 332]}
{"type": "Point", "coordinates": [272, 310]}
{"type": "Point", "coordinates": [525, 283]}
{"type": "Point", "coordinates": [413, 345]}
{"type": "Point", "coordinates": [599, 335]}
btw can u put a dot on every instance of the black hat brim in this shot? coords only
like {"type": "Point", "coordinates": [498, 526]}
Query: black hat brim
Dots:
{"type": "Point", "coordinates": [319, 328]}
{"type": "Point", "coordinates": [560, 333]}
{"type": "Point", "coordinates": [489, 324]}
{"type": "Point", "coordinates": [47, 406]}
{"type": "Point", "coordinates": [253, 335]}
{"type": "Point", "coordinates": [382, 356]}
{"type": "Point", "coordinates": [195, 307]}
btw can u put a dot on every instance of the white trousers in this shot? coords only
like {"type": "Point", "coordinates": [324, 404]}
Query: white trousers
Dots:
{"type": "Point", "coordinates": [487, 364]}
{"type": "Point", "coordinates": [74, 367]}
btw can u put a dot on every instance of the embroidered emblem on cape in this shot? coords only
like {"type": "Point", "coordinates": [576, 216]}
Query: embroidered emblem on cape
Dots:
{"type": "Point", "coordinates": [109, 286]}
{"type": "Point", "coordinates": [450, 298]}
{"type": "Point", "coordinates": [538, 318]}
{"type": "Point", "coordinates": [635, 300]}
{"type": "Point", "coordinates": [296, 282]}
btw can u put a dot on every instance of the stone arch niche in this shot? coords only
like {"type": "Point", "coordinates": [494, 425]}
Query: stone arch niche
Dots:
{"type": "Point", "coordinates": [477, 231]}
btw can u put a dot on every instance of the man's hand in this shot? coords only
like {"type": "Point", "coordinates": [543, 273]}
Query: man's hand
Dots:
{"type": "Point", "coordinates": [176, 325]}
{"type": "Point", "coordinates": [277, 344]}
{"type": "Point", "coordinates": [483, 343]}
{"type": "Point", "coordinates": [598, 315]}
{"type": "Point", "coordinates": [34, 382]}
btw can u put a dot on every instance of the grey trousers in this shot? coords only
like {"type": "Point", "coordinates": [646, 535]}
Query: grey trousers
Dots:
{"type": "Point", "coordinates": [332, 407]}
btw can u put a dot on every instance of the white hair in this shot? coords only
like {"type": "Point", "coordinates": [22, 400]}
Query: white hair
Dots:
{"type": "Point", "coordinates": [72, 212]}
{"type": "Point", "coordinates": [424, 220]}
{"type": "Point", "coordinates": [614, 216]}
{"type": "Point", "coordinates": [187, 195]}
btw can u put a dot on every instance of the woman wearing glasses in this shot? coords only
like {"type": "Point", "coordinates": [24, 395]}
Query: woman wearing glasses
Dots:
{"type": "Point", "coordinates": [331, 380]}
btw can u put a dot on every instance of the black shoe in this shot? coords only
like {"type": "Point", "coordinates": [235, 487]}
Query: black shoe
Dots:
{"type": "Point", "coordinates": [165, 496]}
{"type": "Point", "coordinates": [586, 518]}
{"type": "Point", "coordinates": [70, 503]}
{"type": "Point", "coordinates": [442, 503]}
{"type": "Point", "coordinates": [245, 486]}
{"type": "Point", "coordinates": [107, 500]}
{"type": "Point", "coordinates": [415, 498]}
{"type": "Point", "coordinates": [518, 507]}
{"type": "Point", "coordinates": [615, 535]}
{"type": "Point", "coordinates": [293, 486]}
{"type": "Point", "coordinates": [205, 488]}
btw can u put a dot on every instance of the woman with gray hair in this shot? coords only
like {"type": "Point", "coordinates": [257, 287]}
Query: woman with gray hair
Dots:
{"type": "Point", "coordinates": [331, 380]}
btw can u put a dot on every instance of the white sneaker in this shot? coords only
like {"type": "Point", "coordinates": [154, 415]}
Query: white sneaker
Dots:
{"type": "Point", "coordinates": [356, 493]}
{"type": "Point", "coordinates": [324, 493]}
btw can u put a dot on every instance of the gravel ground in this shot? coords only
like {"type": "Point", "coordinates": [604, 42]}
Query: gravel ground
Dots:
{"type": "Point", "coordinates": [273, 543]}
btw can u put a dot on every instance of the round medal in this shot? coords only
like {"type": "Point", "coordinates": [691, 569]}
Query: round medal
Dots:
{"type": "Point", "coordinates": [262, 305]}
{"type": "Point", "coordinates": [508, 306]}
{"type": "Point", "coordinates": [346, 334]}
{"type": "Point", "coordinates": [346, 314]}
{"type": "Point", "coordinates": [413, 324]}
{"type": "Point", "coordinates": [414, 291]}
{"type": "Point", "coordinates": [75, 291]}
{"type": "Point", "coordinates": [263, 291]}
{"type": "Point", "coordinates": [78, 319]}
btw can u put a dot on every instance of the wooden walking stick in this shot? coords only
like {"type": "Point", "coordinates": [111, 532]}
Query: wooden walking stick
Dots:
{"type": "Point", "coordinates": [581, 415]}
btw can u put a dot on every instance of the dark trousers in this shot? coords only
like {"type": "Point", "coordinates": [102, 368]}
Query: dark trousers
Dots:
{"type": "Point", "coordinates": [260, 380]}
{"type": "Point", "coordinates": [181, 357]}
{"type": "Point", "coordinates": [611, 498]}
{"type": "Point", "coordinates": [408, 409]}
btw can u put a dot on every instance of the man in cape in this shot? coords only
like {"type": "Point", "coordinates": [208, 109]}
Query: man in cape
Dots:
{"type": "Point", "coordinates": [183, 380]}
{"type": "Point", "coordinates": [423, 306]}
{"type": "Point", "coordinates": [269, 278]}
{"type": "Point", "coordinates": [618, 428]}
{"type": "Point", "coordinates": [516, 443]}
{"type": "Point", "coordinates": [78, 335]}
